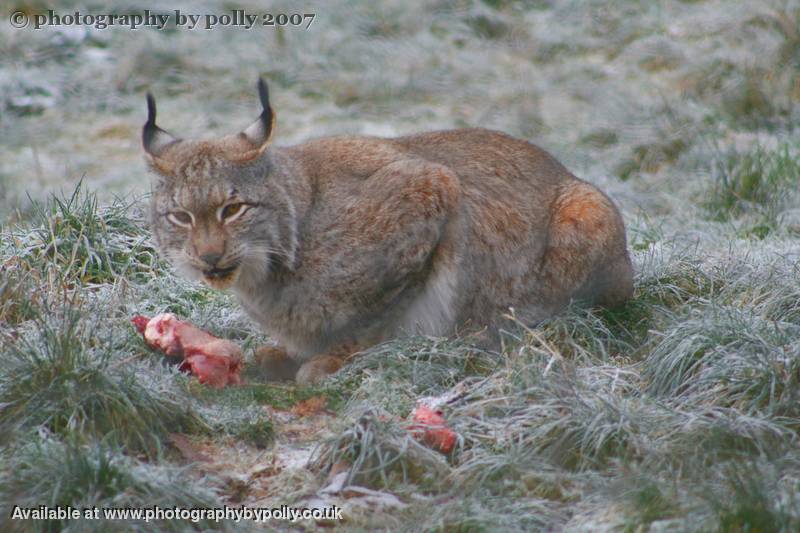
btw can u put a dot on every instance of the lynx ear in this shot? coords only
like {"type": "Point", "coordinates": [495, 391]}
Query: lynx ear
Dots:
{"type": "Point", "coordinates": [154, 139]}
{"type": "Point", "coordinates": [259, 133]}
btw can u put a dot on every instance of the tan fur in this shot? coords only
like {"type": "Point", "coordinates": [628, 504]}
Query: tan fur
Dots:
{"type": "Point", "coordinates": [351, 240]}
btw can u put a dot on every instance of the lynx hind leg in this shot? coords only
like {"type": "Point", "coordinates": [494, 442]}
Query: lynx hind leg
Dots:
{"type": "Point", "coordinates": [586, 257]}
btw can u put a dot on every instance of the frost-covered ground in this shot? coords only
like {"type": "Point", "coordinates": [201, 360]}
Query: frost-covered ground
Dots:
{"type": "Point", "coordinates": [678, 412]}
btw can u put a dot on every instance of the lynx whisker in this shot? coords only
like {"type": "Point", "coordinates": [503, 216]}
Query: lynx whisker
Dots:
{"type": "Point", "coordinates": [265, 250]}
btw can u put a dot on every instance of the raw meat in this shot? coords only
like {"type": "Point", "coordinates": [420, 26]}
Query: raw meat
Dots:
{"type": "Point", "coordinates": [216, 362]}
{"type": "Point", "coordinates": [432, 429]}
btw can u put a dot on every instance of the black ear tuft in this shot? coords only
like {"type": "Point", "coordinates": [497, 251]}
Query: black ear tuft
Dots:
{"type": "Point", "coordinates": [259, 133]}
{"type": "Point", "coordinates": [151, 109]}
{"type": "Point", "coordinates": [150, 129]}
{"type": "Point", "coordinates": [263, 93]}
{"type": "Point", "coordinates": [266, 113]}
{"type": "Point", "coordinates": [154, 139]}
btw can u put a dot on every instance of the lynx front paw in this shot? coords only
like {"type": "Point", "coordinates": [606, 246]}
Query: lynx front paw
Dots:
{"type": "Point", "coordinates": [316, 369]}
{"type": "Point", "coordinates": [274, 364]}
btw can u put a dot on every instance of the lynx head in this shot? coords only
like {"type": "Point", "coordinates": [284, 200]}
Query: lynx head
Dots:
{"type": "Point", "coordinates": [218, 209]}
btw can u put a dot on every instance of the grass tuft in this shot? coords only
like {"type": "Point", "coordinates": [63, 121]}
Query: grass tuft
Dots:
{"type": "Point", "coordinates": [758, 498]}
{"type": "Point", "coordinates": [82, 475]}
{"type": "Point", "coordinates": [647, 502]}
{"type": "Point", "coordinates": [723, 356]}
{"type": "Point", "coordinates": [64, 374]}
{"type": "Point", "coordinates": [18, 295]}
{"type": "Point", "coordinates": [379, 451]}
{"type": "Point", "coordinates": [84, 242]}
{"type": "Point", "coordinates": [760, 184]}
{"type": "Point", "coordinates": [393, 375]}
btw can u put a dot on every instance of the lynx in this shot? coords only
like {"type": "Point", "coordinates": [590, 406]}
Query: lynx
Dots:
{"type": "Point", "coordinates": [339, 243]}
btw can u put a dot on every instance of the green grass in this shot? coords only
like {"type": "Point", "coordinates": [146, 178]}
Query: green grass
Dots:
{"type": "Point", "coordinates": [647, 503]}
{"type": "Point", "coordinates": [381, 452]}
{"type": "Point", "coordinates": [395, 374]}
{"type": "Point", "coordinates": [758, 185]}
{"type": "Point", "coordinates": [84, 242]}
{"type": "Point", "coordinates": [760, 497]}
{"type": "Point", "coordinates": [66, 374]}
{"type": "Point", "coordinates": [52, 472]}
{"type": "Point", "coordinates": [18, 297]}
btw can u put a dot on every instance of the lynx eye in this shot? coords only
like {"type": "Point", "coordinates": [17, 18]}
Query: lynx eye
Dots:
{"type": "Point", "coordinates": [231, 212]}
{"type": "Point", "coordinates": [181, 218]}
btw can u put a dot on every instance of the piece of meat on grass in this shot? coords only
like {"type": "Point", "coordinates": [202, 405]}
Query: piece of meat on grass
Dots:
{"type": "Point", "coordinates": [216, 362]}
{"type": "Point", "coordinates": [140, 322]}
{"type": "Point", "coordinates": [214, 370]}
{"type": "Point", "coordinates": [430, 427]}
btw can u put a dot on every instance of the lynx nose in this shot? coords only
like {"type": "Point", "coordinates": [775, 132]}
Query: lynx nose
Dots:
{"type": "Point", "coordinates": [211, 258]}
